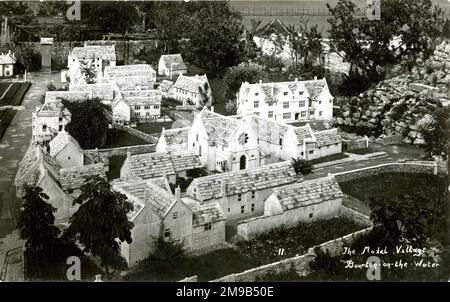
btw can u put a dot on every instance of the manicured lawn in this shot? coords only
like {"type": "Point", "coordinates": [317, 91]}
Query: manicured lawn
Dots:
{"type": "Point", "coordinates": [328, 158]}
{"type": "Point", "coordinates": [117, 138]}
{"type": "Point", "coordinates": [207, 267]}
{"type": "Point", "coordinates": [14, 93]}
{"type": "Point", "coordinates": [5, 119]}
{"type": "Point", "coordinates": [151, 128]}
{"type": "Point", "coordinates": [295, 241]}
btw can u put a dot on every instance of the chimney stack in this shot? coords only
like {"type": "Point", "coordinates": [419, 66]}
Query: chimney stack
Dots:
{"type": "Point", "coordinates": [128, 154]}
{"type": "Point", "coordinates": [223, 188]}
{"type": "Point", "coordinates": [212, 109]}
{"type": "Point", "coordinates": [296, 79]}
{"type": "Point", "coordinates": [315, 78]}
{"type": "Point", "coordinates": [260, 81]}
{"type": "Point", "coordinates": [177, 193]}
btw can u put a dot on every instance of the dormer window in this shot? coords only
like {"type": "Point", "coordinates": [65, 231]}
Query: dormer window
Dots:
{"type": "Point", "coordinates": [256, 93]}
{"type": "Point", "coordinates": [285, 93]}
{"type": "Point", "coordinates": [256, 104]}
{"type": "Point", "coordinates": [300, 92]}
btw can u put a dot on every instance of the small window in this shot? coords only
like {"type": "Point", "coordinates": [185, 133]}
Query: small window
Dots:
{"type": "Point", "coordinates": [301, 104]}
{"type": "Point", "coordinates": [60, 119]}
{"type": "Point", "coordinates": [303, 114]}
{"type": "Point", "coordinates": [137, 107]}
{"type": "Point", "coordinates": [302, 153]}
{"type": "Point", "coordinates": [331, 101]}
{"type": "Point", "coordinates": [256, 104]}
{"type": "Point", "coordinates": [320, 113]}
{"type": "Point", "coordinates": [256, 93]}
{"type": "Point", "coordinates": [253, 207]}
{"type": "Point", "coordinates": [253, 194]}
{"type": "Point", "coordinates": [320, 102]}
{"type": "Point", "coordinates": [229, 210]}
{"type": "Point", "coordinates": [270, 114]}
{"type": "Point", "coordinates": [68, 158]}
{"type": "Point", "coordinates": [167, 233]}
{"type": "Point", "coordinates": [285, 93]}
{"type": "Point", "coordinates": [239, 197]}
{"type": "Point", "coordinates": [175, 215]}
{"type": "Point", "coordinates": [286, 115]}
{"type": "Point", "coordinates": [196, 137]}
{"type": "Point", "coordinates": [311, 215]}
{"type": "Point", "coordinates": [311, 151]}
{"type": "Point", "coordinates": [311, 112]}
{"type": "Point", "coordinates": [281, 142]}
{"type": "Point", "coordinates": [242, 209]}
{"type": "Point", "coordinates": [300, 92]}
{"type": "Point", "coordinates": [70, 191]}
{"type": "Point", "coordinates": [208, 226]}
{"type": "Point", "coordinates": [156, 106]}
{"type": "Point", "coordinates": [285, 104]}
{"type": "Point", "coordinates": [44, 128]}
{"type": "Point", "coordinates": [60, 128]}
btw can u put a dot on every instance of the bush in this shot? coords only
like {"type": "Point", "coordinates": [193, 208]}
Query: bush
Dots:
{"type": "Point", "coordinates": [270, 61]}
{"type": "Point", "coordinates": [301, 166]}
{"type": "Point", "coordinates": [171, 102]}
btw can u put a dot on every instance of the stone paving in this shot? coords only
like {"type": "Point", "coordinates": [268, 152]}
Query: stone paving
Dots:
{"type": "Point", "coordinates": [14, 144]}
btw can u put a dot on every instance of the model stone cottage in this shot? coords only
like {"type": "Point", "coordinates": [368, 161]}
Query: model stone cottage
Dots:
{"type": "Point", "coordinates": [7, 62]}
{"type": "Point", "coordinates": [286, 101]}
{"type": "Point", "coordinates": [171, 65]}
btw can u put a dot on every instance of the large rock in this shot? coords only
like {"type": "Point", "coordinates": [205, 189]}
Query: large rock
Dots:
{"type": "Point", "coordinates": [340, 120]}
{"type": "Point", "coordinates": [419, 87]}
{"type": "Point", "coordinates": [419, 141]}
{"type": "Point", "coordinates": [412, 134]}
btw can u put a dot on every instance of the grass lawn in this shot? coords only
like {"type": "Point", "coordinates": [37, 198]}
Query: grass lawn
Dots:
{"type": "Point", "coordinates": [207, 267]}
{"type": "Point", "coordinates": [296, 240]}
{"type": "Point", "coordinates": [328, 158]}
{"type": "Point", "coordinates": [363, 151]}
{"type": "Point", "coordinates": [117, 138]}
{"type": "Point", "coordinates": [155, 127]}
{"type": "Point", "coordinates": [5, 119]}
{"type": "Point", "coordinates": [14, 95]}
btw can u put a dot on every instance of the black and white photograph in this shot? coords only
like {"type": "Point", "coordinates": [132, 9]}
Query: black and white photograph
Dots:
{"type": "Point", "coordinates": [234, 141]}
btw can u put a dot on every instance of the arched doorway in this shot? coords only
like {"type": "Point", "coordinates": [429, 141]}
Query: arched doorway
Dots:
{"type": "Point", "coordinates": [243, 163]}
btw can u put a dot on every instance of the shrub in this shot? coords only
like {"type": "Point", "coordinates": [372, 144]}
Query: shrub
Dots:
{"type": "Point", "coordinates": [301, 166]}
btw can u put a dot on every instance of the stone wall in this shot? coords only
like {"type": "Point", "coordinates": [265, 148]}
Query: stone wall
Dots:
{"type": "Point", "coordinates": [400, 105]}
{"type": "Point", "coordinates": [122, 151]}
{"type": "Point", "coordinates": [299, 263]}
{"type": "Point", "coordinates": [355, 216]}
{"type": "Point", "coordinates": [408, 167]}
{"type": "Point", "coordinates": [146, 137]}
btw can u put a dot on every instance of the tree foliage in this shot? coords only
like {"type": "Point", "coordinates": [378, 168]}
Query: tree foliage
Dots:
{"type": "Point", "coordinates": [302, 166]}
{"type": "Point", "coordinates": [402, 33]}
{"type": "Point", "coordinates": [214, 36]}
{"type": "Point", "coordinates": [18, 12]}
{"type": "Point", "coordinates": [101, 222]}
{"type": "Point", "coordinates": [306, 44]}
{"type": "Point", "coordinates": [436, 130]}
{"type": "Point", "coordinates": [36, 220]}
{"type": "Point", "coordinates": [89, 122]}
{"type": "Point", "coordinates": [88, 70]}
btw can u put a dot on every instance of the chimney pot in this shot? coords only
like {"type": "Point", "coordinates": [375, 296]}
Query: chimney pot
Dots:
{"type": "Point", "coordinates": [212, 109]}
{"type": "Point", "coordinates": [315, 78]}
{"type": "Point", "coordinates": [224, 188]}
{"type": "Point", "coordinates": [260, 81]}
{"type": "Point", "coordinates": [296, 79]}
{"type": "Point", "coordinates": [177, 193]}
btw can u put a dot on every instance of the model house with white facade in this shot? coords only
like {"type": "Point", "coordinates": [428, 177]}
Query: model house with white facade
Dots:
{"type": "Point", "coordinates": [105, 92]}
{"type": "Point", "coordinates": [96, 57]}
{"type": "Point", "coordinates": [242, 193]}
{"type": "Point", "coordinates": [171, 65]}
{"type": "Point", "coordinates": [7, 62]}
{"type": "Point", "coordinates": [144, 104]}
{"type": "Point", "coordinates": [160, 214]}
{"type": "Point", "coordinates": [191, 90]}
{"type": "Point", "coordinates": [173, 139]}
{"type": "Point", "coordinates": [286, 101]}
{"type": "Point", "coordinates": [142, 72]}
{"type": "Point", "coordinates": [66, 150]}
{"type": "Point", "coordinates": [224, 143]}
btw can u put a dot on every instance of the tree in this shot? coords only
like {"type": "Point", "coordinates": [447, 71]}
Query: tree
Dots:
{"type": "Point", "coordinates": [89, 71]}
{"type": "Point", "coordinates": [370, 45]}
{"type": "Point", "coordinates": [101, 222]}
{"type": "Point", "coordinates": [302, 166]}
{"type": "Point", "coordinates": [36, 220]}
{"type": "Point", "coordinates": [89, 122]}
{"type": "Point", "coordinates": [214, 39]}
{"type": "Point", "coordinates": [435, 129]}
{"type": "Point", "coordinates": [306, 45]}
{"type": "Point", "coordinates": [397, 222]}
{"type": "Point", "coordinates": [18, 12]}
{"type": "Point", "coordinates": [52, 8]}
{"type": "Point", "coordinates": [235, 76]}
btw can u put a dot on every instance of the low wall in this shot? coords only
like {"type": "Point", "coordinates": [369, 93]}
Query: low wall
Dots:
{"type": "Point", "coordinates": [148, 138]}
{"type": "Point", "coordinates": [429, 167]}
{"type": "Point", "coordinates": [349, 145]}
{"type": "Point", "coordinates": [299, 263]}
{"type": "Point", "coordinates": [122, 151]}
{"type": "Point", "coordinates": [355, 216]}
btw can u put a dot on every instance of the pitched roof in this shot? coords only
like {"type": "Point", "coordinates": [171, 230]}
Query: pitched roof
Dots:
{"type": "Point", "coordinates": [190, 83]}
{"type": "Point", "coordinates": [268, 176]}
{"type": "Point", "coordinates": [219, 127]}
{"type": "Point", "coordinates": [268, 130]}
{"type": "Point", "coordinates": [327, 137]}
{"type": "Point", "coordinates": [133, 82]}
{"type": "Point", "coordinates": [165, 85]}
{"type": "Point", "coordinates": [105, 52]}
{"type": "Point", "coordinates": [207, 213]}
{"type": "Point", "coordinates": [52, 108]}
{"type": "Point", "coordinates": [103, 91]}
{"type": "Point", "coordinates": [151, 165]}
{"type": "Point", "coordinates": [73, 96]}
{"type": "Point", "coordinates": [273, 27]}
{"type": "Point", "coordinates": [129, 70]}
{"type": "Point", "coordinates": [60, 141]}
{"type": "Point", "coordinates": [144, 194]}
{"type": "Point", "coordinates": [316, 125]}
{"type": "Point", "coordinates": [176, 136]}
{"type": "Point", "coordinates": [34, 164]}
{"type": "Point", "coordinates": [307, 193]}
{"type": "Point", "coordinates": [174, 60]}
{"type": "Point", "coordinates": [303, 133]}
{"type": "Point", "coordinates": [315, 87]}
{"type": "Point", "coordinates": [74, 177]}
{"type": "Point", "coordinates": [142, 97]}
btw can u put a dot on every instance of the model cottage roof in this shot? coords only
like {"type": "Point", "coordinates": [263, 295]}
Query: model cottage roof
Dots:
{"type": "Point", "coordinates": [191, 84]}
{"type": "Point", "coordinates": [142, 97]}
{"type": "Point", "coordinates": [207, 213]}
{"type": "Point", "coordinates": [73, 178]}
{"type": "Point", "coordinates": [273, 27]}
{"type": "Point", "coordinates": [219, 127]}
{"type": "Point", "coordinates": [174, 61]}
{"type": "Point", "coordinates": [73, 96]}
{"type": "Point", "coordinates": [52, 109]}
{"type": "Point", "coordinates": [105, 52]}
{"type": "Point", "coordinates": [36, 163]}
{"type": "Point", "coordinates": [60, 141]}
{"type": "Point", "coordinates": [237, 182]}
{"type": "Point", "coordinates": [308, 193]}
{"type": "Point", "coordinates": [165, 85]}
{"type": "Point", "coordinates": [144, 194]}
{"type": "Point", "coordinates": [134, 82]}
{"type": "Point", "coordinates": [304, 134]}
{"type": "Point", "coordinates": [177, 136]}
{"type": "Point", "coordinates": [129, 70]}
{"type": "Point", "coordinates": [268, 130]}
{"type": "Point", "coordinates": [103, 91]}
{"type": "Point", "coordinates": [151, 165]}
{"type": "Point", "coordinates": [327, 137]}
